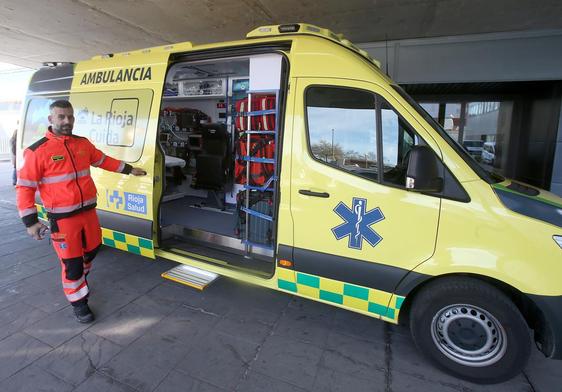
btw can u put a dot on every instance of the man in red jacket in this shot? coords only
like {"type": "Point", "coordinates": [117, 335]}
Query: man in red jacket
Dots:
{"type": "Point", "coordinates": [58, 165]}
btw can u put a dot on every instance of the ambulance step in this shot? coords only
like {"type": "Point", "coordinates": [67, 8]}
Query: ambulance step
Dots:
{"type": "Point", "coordinates": [191, 276]}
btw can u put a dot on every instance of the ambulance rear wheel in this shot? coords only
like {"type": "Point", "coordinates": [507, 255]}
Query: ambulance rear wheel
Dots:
{"type": "Point", "coordinates": [470, 329]}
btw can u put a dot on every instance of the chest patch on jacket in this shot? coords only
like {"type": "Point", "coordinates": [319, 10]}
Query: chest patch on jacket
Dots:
{"type": "Point", "coordinates": [57, 158]}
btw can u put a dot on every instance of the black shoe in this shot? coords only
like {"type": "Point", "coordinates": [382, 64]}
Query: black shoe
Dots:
{"type": "Point", "coordinates": [83, 313]}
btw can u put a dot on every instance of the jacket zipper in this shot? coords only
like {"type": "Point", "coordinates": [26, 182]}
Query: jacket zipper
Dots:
{"type": "Point", "coordinates": [75, 174]}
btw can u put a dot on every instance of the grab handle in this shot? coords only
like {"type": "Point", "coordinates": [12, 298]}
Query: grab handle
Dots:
{"type": "Point", "coordinates": [307, 192]}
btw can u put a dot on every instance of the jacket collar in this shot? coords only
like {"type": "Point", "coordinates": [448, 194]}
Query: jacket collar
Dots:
{"type": "Point", "coordinates": [51, 135]}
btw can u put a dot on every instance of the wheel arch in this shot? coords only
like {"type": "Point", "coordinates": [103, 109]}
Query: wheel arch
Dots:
{"type": "Point", "coordinates": [529, 310]}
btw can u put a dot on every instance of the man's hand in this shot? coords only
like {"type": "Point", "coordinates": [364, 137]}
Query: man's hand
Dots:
{"type": "Point", "coordinates": [137, 171]}
{"type": "Point", "coordinates": [37, 231]}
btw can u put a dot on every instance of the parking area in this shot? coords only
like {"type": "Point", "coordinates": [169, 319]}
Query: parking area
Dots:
{"type": "Point", "coordinates": [155, 335]}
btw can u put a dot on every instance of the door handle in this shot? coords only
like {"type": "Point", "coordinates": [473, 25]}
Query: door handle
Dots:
{"type": "Point", "coordinates": [306, 192]}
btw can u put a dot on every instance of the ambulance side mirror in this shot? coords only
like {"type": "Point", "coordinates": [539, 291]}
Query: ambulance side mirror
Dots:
{"type": "Point", "coordinates": [422, 174]}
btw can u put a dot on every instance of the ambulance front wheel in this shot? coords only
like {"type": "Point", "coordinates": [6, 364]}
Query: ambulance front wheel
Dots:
{"type": "Point", "coordinates": [470, 329]}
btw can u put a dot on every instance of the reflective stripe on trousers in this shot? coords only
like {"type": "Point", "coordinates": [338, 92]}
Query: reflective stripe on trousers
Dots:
{"type": "Point", "coordinates": [77, 295]}
{"type": "Point", "coordinates": [69, 284]}
{"type": "Point", "coordinates": [79, 235]}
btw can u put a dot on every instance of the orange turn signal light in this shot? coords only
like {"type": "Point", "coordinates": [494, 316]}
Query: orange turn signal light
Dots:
{"type": "Point", "coordinates": [285, 263]}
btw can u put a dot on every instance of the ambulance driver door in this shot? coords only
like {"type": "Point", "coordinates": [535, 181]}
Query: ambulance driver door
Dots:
{"type": "Point", "coordinates": [357, 230]}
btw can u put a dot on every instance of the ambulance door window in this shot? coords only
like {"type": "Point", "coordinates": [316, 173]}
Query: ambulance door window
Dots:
{"type": "Point", "coordinates": [115, 121]}
{"type": "Point", "coordinates": [342, 129]}
{"type": "Point", "coordinates": [36, 119]}
{"type": "Point", "coordinates": [397, 141]}
{"type": "Point", "coordinates": [121, 131]}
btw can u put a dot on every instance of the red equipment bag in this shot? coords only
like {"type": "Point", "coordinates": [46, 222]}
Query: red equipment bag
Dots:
{"type": "Point", "coordinates": [264, 122]}
{"type": "Point", "coordinates": [242, 121]}
{"type": "Point", "coordinates": [260, 172]}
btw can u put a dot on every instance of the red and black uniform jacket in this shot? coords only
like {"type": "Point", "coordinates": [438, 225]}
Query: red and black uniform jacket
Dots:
{"type": "Point", "coordinates": [59, 166]}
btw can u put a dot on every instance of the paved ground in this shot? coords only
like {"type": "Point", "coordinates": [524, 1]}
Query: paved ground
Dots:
{"type": "Point", "coordinates": [155, 335]}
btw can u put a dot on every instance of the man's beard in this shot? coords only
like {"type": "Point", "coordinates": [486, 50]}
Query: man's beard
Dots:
{"type": "Point", "coordinates": [64, 130]}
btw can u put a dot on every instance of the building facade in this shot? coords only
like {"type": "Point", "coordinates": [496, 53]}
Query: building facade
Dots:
{"type": "Point", "coordinates": [500, 95]}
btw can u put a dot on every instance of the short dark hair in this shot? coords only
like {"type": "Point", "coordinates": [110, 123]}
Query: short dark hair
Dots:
{"type": "Point", "coordinates": [60, 103]}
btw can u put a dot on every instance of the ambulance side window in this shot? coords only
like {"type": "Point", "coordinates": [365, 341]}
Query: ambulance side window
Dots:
{"type": "Point", "coordinates": [341, 126]}
{"type": "Point", "coordinates": [397, 141]}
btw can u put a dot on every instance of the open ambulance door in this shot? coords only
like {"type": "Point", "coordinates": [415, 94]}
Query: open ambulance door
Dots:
{"type": "Point", "coordinates": [116, 102]}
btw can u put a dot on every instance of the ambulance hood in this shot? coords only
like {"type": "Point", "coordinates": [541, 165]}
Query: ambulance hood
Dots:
{"type": "Point", "coordinates": [530, 201]}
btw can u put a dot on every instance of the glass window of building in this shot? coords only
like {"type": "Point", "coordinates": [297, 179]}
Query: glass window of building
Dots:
{"type": "Point", "coordinates": [486, 133]}
{"type": "Point", "coordinates": [482, 128]}
{"type": "Point", "coordinates": [397, 141]}
{"type": "Point", "coordinates": [432, 109]}
{"type": "Point", "coordinates": [452, 121]}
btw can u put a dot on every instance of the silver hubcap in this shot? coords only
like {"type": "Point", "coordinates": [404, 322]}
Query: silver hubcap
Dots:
{"type": "Point", "coordinates": [468, 335]}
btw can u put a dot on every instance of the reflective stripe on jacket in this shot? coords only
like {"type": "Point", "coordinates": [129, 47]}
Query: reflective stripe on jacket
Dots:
{"type": "Point", "coordinates": [59, 167]}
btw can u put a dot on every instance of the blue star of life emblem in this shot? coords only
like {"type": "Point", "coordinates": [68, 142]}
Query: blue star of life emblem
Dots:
{"type": "Point", "coordinates": [358, 223]}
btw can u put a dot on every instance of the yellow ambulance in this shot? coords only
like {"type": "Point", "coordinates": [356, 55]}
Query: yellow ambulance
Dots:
{"type": "Point", "coordinates": [291, 161]}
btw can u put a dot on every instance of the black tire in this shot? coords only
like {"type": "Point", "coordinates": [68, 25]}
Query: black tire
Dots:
{"type": "Point", "coordinates": [474, 315]}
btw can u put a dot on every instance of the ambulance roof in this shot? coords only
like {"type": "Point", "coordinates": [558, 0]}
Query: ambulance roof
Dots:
{"type": "Point", "coordinates": [271, 31]}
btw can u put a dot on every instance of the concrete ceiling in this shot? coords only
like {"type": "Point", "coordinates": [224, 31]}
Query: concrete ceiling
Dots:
{"type": "Point", "coordinates": [34, 31]}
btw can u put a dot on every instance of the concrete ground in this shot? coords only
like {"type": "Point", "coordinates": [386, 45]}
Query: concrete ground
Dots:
{"type": "Point", "coordinates": [155, 335]}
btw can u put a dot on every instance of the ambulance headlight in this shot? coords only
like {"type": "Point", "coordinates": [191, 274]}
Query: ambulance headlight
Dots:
{"type": "Point", "coordinates": [558, 239]}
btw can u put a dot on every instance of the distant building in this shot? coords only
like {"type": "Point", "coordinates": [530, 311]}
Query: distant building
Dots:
{"type": "Point", "coordinates": [14, 81]}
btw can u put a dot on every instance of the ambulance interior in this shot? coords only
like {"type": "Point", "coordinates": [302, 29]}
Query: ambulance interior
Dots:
{"type": "Point", "coordinates": [208, 141]}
